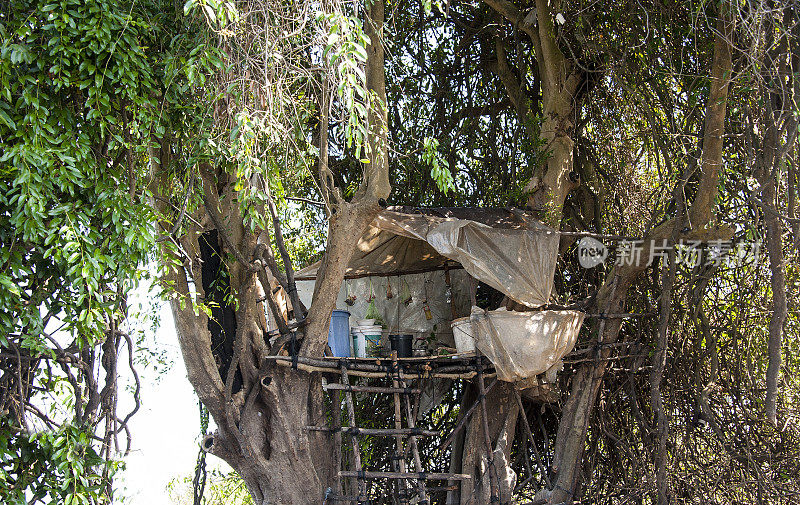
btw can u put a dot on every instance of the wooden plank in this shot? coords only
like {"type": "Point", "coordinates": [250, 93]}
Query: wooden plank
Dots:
{"type": "Point", "coordinates": [407, 475]}
{"type": "Point", "coordinates": [370, 389]}
{"type": "Point", "coordinates": [376, 432]}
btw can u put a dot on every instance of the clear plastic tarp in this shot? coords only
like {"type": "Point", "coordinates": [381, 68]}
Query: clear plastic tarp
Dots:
{"type": "Point", "coordinates": [525, 344]}
{"type": "Point", "coordinates": [510, 251]}
{"type": "Point", "coordinates": [401, 263]}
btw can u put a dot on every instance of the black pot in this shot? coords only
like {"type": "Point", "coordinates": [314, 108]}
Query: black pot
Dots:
{"type": "Point", "coordinates": [401, 344]}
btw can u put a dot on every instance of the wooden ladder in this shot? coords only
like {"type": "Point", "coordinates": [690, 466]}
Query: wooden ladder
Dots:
{"type": "Point", "coordinates": [405, 439]}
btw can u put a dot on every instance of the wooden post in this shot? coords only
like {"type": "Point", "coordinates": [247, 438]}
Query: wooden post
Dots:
{"type": "Point", "coordinates": [351, 415]}
{"type": "Point", "coordinates": [336, 413]}
{"type": "Point", "coordinates": [473, 291]}
{"type": "Point", "coordinates": [398, 424]}
{"type": "Point", "coordinates": [493, 484]}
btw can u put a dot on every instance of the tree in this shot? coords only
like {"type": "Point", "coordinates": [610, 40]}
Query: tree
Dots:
{"type": "Point", "coordinates": [262, 410]}
{"type": "Point", "coordinates": [667, 123]}
{"type": "Point", "coordinates": [77, 84]}
{"type": "Point", "coordinates": [85, 87]}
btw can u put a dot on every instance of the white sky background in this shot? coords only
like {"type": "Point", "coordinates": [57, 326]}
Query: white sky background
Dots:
{"type": "Point", "coordinates": [167, 427]}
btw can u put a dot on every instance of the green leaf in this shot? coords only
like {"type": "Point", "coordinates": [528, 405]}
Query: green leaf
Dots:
{"type": "Point", "coordinates": [7, 120]}
{"type": "Point", "coordinates": [188, 6]}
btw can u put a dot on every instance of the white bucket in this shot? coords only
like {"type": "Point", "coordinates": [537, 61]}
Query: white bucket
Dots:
{"type": "Point", "coordinates": [372, 338]}
{"type": "Point", "coordinates": [462, 333]}
{"type": "Point", "coordinates": [359, 344]}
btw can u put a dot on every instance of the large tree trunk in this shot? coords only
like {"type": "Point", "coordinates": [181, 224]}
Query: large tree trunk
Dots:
{"type": "Point", "coordinates": [492, 474]}
{"type": "Point", "coordinates": [261, 425]}
{"type": "Point", "coordinates": [262, 410]}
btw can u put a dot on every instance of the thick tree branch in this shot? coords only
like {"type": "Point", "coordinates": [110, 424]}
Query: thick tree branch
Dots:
{"type": "Point", "coordinates": [510, 11]}
{"type": "Point", "coordinates": [611, 297]}
{"type": "Point", "coordinates": [192, 330]}
{"type": "Point", "coordinates": [553, 65]}
{"type": "Point", "coordinates": [376, 172]}
{"type": "Point", "coordinates": [510, 81]}
{"type": "Point", "coordinates": [351, 219]}
{"type": "Point", "coordinates": [291, 286]}
{"type": "Point", "coordinates": [212, 201]}
{"type": "Point", "coordinates": [711, 160]}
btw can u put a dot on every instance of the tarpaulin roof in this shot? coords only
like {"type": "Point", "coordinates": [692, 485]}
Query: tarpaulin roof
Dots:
{"type": "Point", "coordinates": [507, 249]}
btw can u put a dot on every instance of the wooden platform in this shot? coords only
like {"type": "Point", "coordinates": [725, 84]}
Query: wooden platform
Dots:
{"type": "Point", "coordinates": [455, 366]}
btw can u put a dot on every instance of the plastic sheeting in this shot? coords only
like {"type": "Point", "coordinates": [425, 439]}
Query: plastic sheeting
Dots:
{"type": "Point", "coordinates": [512, 252]}
{"type": "Point", "coordinates": [508, 250]}
{"type": "Point", "coordinates": [525, 344]}
{"type": "Point", "coordinates": [399, 314]}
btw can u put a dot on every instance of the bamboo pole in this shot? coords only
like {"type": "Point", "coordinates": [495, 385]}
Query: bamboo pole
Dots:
{"type": "Point", "coordinates": [336, 399]}
{"type": "Point", "coordinates": [407, 475]}
{"type": "Point", "coordinates": [398, 439]}
{"type": "Point", "coordinates": [351, 415]}
{"type": "Point", "coordinates": [304, 365]}
{"type": "Point", "coordinates": [370, 389]}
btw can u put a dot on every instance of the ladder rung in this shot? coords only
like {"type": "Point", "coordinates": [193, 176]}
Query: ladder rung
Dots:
{"type": "Point", "coordinates": [406, 475]}
{"type": "Point", "coordinates": [441, 488]}
{"type": "Point", "coordinates": [370, 389]}
{"type": "Point", "coordinates": [334, 498]}
{"type": "Point", "coordinates": [376, 432]}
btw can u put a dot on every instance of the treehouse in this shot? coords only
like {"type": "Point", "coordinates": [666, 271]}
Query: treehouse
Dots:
{"type": "Point", "coordinates": [432, 276]}
{"type": "Point", "coordinates": [417, 272]}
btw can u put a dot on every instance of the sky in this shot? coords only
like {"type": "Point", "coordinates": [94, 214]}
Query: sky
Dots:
{"type": "Point", "coordinates": [167, 427]}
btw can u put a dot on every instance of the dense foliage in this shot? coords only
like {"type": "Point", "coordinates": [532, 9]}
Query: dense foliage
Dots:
{"type": "Point", "coordinates": [83, 86]}
{"type": "Point", "coordinates": [129, 128]}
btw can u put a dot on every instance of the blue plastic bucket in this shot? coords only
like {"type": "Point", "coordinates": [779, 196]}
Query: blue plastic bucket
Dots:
{"type": "Point", "coordinates": [339, 333]}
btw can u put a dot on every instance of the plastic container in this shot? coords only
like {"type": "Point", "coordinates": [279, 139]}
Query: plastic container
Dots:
{"type": "Point", "coordinates": [372, 339]}
{"type": "Point", "coordinates": [462, 334]}
{"type": "Point", "coordinates": [359, 344]}
{"type": "Point", "coordinates": [401, 344]}
{"type": "Point", "coordinates": [339, 334]}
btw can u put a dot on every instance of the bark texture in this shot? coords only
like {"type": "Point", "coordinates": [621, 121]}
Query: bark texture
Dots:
{"type": "Point", "coordinates": [262, 409]}
{"type": "Point", "coordinates": [611, 297]}
{"type": "Point", "coordinates": [502, 411]}
{"type": "Point", "coordinates": [548, 189]}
